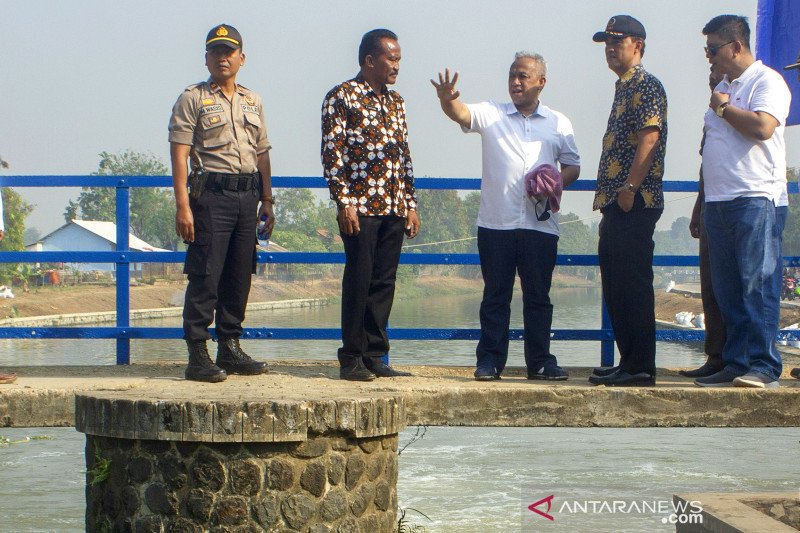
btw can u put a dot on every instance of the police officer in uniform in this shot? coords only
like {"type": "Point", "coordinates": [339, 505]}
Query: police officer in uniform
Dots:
{"type": "Point", "coordinates": [218, 130]}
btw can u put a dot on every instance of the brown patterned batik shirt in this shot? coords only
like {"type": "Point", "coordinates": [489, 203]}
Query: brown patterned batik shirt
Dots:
{"type": "Point", "coordinates": [639, 102]}
{"type": "Point", "coordinates": [365, 155]}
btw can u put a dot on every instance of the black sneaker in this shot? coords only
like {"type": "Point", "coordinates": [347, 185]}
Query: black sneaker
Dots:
{"type": "Point", "coordinates": [549, 372]}
{"type": "Point", "coordinates": [723, 378]}
{"type": "Point", "coordinates": [232, 359]}
{"type": "Point", "coordinates": [200, 367]}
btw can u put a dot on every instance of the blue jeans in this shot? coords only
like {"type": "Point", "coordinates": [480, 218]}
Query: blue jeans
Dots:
{"type": "Point", "coordinates": [744, 240]}
{"type": "Point", "coordinates": [503, 253]}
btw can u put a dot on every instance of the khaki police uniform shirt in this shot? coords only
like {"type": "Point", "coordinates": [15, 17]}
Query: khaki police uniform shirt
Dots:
{"type": "Point", "coordinates": [227, 135]}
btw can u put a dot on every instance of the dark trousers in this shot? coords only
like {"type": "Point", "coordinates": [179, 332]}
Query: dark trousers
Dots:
{"type": "Point", "coordinates": [370, 270]}
{"type": "Point", "coordinates": [625, 253]}
{"type": "Point", "coordinates": [503, 254]}
{"type": "Point", "coordinates": [715, 326]}
{"type": "Point", "coordinates": [220, 262]}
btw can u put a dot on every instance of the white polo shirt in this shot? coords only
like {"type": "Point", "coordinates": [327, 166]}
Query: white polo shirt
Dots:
{"type": "Point", "coordinates": [735, 165]}
{"type": "Point", "coordinates": [513, 145]}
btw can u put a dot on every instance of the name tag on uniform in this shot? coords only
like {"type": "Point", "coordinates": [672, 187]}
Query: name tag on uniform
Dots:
{"type": "Point", "coordinates": [250, 109]}
{"type": "Point", "coordinates": [211, 109]}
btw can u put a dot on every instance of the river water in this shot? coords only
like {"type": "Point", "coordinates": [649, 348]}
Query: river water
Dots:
{"type": "Point", "coordinates": [463, 479]}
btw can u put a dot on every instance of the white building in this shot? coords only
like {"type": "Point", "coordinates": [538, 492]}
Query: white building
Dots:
{"type": "Point", "coordinates": [86, 236]}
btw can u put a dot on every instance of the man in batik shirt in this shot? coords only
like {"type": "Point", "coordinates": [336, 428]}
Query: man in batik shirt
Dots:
{"type": "Point", "coordinates": [630, 197]}
{"type": "Point", "coordinates": [367, 165]}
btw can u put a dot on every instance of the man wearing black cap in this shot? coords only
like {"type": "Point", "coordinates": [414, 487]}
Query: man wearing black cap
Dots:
{"type": "Point", "coordinates": [631, 199]}
{"type": "Point", "coordinates": [219, 125]}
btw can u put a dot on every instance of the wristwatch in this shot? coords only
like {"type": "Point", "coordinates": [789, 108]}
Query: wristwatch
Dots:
{"type": "Point", "coordinates": [720, 110]}
{"type": "Point", "coordinates": [630, 187]}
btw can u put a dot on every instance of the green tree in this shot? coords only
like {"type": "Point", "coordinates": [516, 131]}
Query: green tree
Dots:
{"type": "Point", "coordinates": [444, 219]}
{"type": "Point", "coordinates": [299, 211]}
{"type": "Point", "coordinates": [15, 210]}
{"type": "Point", "coordinates": [791, 234]}
{"type": "Point", "coordinates": [152, 211]}
{"type": "Point", "coordinates": [575, 236]}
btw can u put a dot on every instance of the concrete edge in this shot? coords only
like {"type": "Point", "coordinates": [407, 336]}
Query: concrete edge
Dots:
{"type": "Point", "coordinates": [725, 513]}
{"type": "Point", "coordinates": [71, 319]}
{"type": "Point", "coordinates": [109, 414]}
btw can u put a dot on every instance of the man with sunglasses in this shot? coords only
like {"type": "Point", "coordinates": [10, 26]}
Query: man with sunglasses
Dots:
{"type": "Point", "coordinates": [629, 195]}
{"type": "Point", "coordinates": [744, 173]}
{"type": "Point", "coordinates": [516, 233]}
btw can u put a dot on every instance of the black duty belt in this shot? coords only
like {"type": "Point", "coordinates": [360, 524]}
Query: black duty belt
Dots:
{"type": "Point", "coordinates": [233, 182]}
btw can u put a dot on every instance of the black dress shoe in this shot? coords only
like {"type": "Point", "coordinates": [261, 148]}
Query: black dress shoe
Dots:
{"type": "Point", "coordinates": [604, 370]}
{"type": "Point", "coordinates": [795, 373]}
{"type": "Point", "coordinates": [708, 369]}
{"type": "Point", "coordinates": [381, 369]}
{"type": "Point", "coordinates": [352, 369]}
{"type": "Point", "coordinates": [620, 378]}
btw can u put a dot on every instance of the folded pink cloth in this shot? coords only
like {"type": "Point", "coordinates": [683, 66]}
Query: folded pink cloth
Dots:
{"type": "Point", "coordinates": [545, 180]}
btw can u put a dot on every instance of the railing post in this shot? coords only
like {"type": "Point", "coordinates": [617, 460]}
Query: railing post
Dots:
{"type": "Point", "coordinates": [123, 270]}
{"type": "Point", "coordinates": [606, 345]}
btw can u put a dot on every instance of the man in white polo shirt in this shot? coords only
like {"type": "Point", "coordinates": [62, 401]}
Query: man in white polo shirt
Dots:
{"type": "Point", "coordinates": [516, 233]}
{"type": "Point", "coordinates": [744, 173]}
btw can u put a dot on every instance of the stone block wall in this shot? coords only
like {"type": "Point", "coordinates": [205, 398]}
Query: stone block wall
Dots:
{"type": "Point", "coordinates": [787, 510]}
{"type": "Point", "coordinates": [329, 483]}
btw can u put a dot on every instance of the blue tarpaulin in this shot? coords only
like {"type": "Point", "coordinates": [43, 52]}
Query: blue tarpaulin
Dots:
{"type": "Point", "coordinates": [778, 43]}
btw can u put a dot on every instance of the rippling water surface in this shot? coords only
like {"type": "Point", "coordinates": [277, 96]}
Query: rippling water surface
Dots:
{"type": "Point", "coordinates": [475, 479]}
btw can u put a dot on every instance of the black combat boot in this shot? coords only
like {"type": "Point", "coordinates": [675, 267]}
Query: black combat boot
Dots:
{"type": "Point", "coordinates": [200, 366]}
{"type": "Point", "coordinates": [232, 359]}
{"type": "Point", "coordinates": [352, 369]}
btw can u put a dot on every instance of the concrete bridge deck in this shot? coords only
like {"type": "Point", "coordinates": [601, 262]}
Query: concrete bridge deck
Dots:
{"type": "Point", "coordinates": [447, 396]}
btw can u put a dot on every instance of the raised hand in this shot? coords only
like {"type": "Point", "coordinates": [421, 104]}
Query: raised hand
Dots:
{"type": "Point", "coordinates": [446, 88]}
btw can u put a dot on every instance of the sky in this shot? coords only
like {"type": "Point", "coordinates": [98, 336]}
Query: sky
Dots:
{"type": "Point", "coordinates": [84, 77]}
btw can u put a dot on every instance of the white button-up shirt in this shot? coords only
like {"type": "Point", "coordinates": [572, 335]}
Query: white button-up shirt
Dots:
{"type": "Point", "coordinates": [735, 165]}
{"type": "Point", "coordinates": [513, 145]}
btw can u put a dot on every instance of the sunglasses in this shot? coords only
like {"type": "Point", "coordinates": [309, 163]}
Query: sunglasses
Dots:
{"type": "Point", "coordinates": [545, 215]}
{"type": "Point", "coordinates": [712, 49]}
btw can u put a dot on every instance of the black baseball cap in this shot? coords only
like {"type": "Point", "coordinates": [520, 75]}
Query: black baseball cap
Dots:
{"type": "Point", "coordinates": [224, 34]}
{"type": "Point", "coordinates": [794, 65]}
{"type": "Point", "coordinates": [620, 26]}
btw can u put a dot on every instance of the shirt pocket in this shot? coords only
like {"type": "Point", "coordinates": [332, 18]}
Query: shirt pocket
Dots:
{"type": "Point", "coordinates": [252, 123]}
{"type": "Point", "coordinates": [214, 132]}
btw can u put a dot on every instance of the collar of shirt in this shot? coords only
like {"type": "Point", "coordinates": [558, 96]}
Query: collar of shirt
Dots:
{"type": "Point", "coordinates": [367, 88]}
{"type": "Point", "coordinates": [216, 88]}
{"type": "Point", "coordinates": [748, 73]}
{"type": "Point", "coordinates": [634, 72]}
{"type": "Point", "coordinates": [541, 110]}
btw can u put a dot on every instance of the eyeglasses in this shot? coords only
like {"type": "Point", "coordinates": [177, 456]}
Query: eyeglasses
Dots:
{"type": "Point", "coordinates": [712, 49]}
{"type": "Point", "coordinates": [545, 214]}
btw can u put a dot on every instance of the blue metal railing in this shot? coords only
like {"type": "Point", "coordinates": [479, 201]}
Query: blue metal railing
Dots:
{"type": "Point", "coordinates": [123, 332]}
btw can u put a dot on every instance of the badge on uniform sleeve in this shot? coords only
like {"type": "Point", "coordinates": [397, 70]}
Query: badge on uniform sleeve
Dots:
{"type": "Point", "coordinates": [250, 100]}
{"type": "Point", "coordinates": [208, 101]}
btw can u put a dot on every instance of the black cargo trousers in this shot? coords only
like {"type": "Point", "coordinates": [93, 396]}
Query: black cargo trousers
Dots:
{"type": "Point", "coordinates": [221, 260]}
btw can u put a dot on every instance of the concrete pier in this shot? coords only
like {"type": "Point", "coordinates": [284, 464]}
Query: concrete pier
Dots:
{"type": "Point", "coordinates": [212, 460]}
